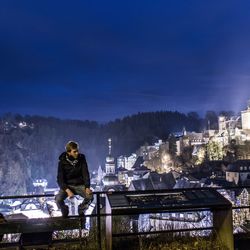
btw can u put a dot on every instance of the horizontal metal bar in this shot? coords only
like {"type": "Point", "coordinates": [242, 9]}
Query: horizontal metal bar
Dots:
{"type": "Point", "coordinates": [240, 207]}
{"type": "Point", "coordinates": [126, 192]}
{"type": "Point", "coordinates": [55, 242]}
{"type": "Point", "coordinates": [162, 231]}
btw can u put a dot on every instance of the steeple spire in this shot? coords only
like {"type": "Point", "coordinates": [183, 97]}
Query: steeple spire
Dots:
{"type": "Point", "coordinates": [184, 131]}
{"type": "Point", "coordinates": [110, 161]}
{"type": "Point", "coordinates": [110, 145]}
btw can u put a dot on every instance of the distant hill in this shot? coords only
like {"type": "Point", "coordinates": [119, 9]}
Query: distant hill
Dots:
{"type": "Point", "coordinates": [30, 145]}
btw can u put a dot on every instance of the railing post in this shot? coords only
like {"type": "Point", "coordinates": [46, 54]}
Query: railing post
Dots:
{"type": "Point", "coordinates": [134, 219]}
{"type": "Point", "coordinates": [98, 208]}
{"type": "Point", "coordinates": [223, 224]}
{"type": "Point", "coordinates": [108, 225]}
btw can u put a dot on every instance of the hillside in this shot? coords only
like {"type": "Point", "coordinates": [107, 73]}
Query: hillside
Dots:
{"type": "Point", "coordinates": [30, 145]}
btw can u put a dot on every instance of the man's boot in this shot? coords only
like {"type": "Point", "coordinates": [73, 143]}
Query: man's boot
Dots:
{"type": "Point", "coordinates": [82, 208]}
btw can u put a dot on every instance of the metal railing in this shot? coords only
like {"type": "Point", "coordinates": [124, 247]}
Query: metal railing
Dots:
{"type": "Point", "coordinates": [99, 213]}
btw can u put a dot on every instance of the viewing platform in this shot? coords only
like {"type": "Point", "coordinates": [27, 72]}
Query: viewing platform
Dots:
{"type": "Point", "coordinates": [130, 216]}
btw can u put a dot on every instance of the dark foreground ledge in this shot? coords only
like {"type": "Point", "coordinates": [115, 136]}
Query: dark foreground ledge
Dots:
{"type": "Point", "coordinates": [15, 224]}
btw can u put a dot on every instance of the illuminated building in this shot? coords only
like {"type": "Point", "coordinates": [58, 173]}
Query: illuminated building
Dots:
{"type": "Point", "coordinates": [238, 172]}
{"type": "Point", "coordinates": [245, 117]}
{"type": "Point", "coordinates": [126, 162]}
{"type": "Point", "coordinates": [40, 185]}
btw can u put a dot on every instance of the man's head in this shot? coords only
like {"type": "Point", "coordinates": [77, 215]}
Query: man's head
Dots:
{"type": "Point", "coordinates": [72, 149]}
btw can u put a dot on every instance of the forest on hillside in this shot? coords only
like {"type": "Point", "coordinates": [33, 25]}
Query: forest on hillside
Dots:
{"type": "Point", "coordinates": [32, 151]}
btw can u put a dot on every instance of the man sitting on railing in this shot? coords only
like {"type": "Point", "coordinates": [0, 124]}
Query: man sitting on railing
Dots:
{"type": "Point", "coordinates": [73, 178]}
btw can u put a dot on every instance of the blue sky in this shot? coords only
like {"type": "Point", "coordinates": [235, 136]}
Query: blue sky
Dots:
{"type": "Point", "coordinates": [102, 60]}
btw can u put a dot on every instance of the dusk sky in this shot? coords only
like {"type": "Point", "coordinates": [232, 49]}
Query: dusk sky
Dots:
{"type": "Point", "coordinates": [101, 60]}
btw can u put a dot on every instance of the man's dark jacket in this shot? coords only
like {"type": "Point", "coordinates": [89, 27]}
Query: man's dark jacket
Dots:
{"type": "Point", "coordinates": [72, 174]}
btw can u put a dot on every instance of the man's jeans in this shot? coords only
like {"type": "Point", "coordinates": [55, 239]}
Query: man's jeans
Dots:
{"type": "Point", "coordinates": [77, 190]}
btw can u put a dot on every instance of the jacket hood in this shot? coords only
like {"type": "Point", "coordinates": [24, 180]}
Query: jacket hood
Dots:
{"type": "Point", "coordinates": [62, 156]}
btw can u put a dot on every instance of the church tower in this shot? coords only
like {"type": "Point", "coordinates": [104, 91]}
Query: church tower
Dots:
{"type": "Point", "coordinates": [110, 161]}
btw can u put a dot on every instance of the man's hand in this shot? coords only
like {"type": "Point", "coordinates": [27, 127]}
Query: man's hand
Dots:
{"type": "Point", "coordinates": [69, 193]}
{"type": "Point", "coordinates": [88, 191]}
